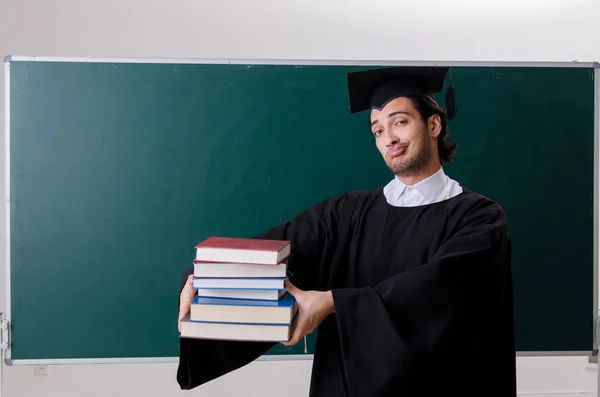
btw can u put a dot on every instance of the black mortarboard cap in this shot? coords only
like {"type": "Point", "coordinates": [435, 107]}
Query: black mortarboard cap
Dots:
{"type": "Point", "coordinates": [373, 89]}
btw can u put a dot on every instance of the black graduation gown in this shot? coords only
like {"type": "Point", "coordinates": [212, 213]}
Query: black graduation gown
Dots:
{"type": "Point", "coordinates": [423, 299]}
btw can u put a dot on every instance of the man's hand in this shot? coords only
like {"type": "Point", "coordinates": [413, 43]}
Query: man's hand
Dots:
{"type": "Point", "coordinates": [313, 308]}
{"type": "Point", "coordinates": [185, 299]}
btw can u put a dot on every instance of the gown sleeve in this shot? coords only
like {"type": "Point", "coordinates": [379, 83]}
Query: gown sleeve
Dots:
{"type": "Point", "coordinates": [202, 360]}
{"type": "Point", "coordinates": [388, 330]}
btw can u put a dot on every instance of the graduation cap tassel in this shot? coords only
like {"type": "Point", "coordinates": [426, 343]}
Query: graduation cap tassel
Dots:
{"type": "Point", "coordinates": [450, 101]}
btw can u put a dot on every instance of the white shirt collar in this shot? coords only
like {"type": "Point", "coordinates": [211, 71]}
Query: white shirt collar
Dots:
{"type": "Point", "coordinates": [428, 187]}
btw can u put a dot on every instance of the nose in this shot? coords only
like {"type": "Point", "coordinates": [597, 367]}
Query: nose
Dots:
{"type": "Point", "coordinates": [390, 138]}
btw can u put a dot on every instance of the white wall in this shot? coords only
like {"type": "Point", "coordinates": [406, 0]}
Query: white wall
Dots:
{"type": "Point", "coordinates": [492, 30]}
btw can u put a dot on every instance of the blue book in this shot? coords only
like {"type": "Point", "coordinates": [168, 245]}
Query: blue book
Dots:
{"type": "Point", "coordinates": [287, 300]}
{"type": "Point", "coordinates": [244, 311]}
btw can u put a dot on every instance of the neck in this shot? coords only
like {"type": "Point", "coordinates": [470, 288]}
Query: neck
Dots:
{"type": "Point", "coordinates": [418, 176]}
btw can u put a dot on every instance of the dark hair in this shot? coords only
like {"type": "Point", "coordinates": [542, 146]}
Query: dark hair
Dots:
{"type": "Point", "coordinates": [427, 107]}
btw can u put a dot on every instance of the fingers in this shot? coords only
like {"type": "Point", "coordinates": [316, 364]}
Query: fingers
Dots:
{"type": "Point", "coordinates": [184, 308]}
{"type": "Point", "coordinates": [183, 311]}
{"type": "Point", "coordinates": [299, 325]}
{"type": "Point", "coordinates": [188, 291]}
{"type": "Point", "coordinates": [181, 315]}
{"type": "Point", "coordinates": [185, 299]}
{"type": "Point", "coordinates": [297, 335]}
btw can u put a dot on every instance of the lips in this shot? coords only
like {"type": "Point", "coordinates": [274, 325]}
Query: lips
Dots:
{"type": "Point", "coordinates": [397, 151]}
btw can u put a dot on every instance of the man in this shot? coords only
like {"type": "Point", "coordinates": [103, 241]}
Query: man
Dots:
{"type": "Point", "coordinates": [409, 285]}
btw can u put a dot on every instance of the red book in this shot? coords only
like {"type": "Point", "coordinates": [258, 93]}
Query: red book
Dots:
{"type": "Point", "coordinates": [243, 250]}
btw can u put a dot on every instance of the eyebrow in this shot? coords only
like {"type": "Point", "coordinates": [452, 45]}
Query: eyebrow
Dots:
{"type": "Point", "coordinates": [389, 116]}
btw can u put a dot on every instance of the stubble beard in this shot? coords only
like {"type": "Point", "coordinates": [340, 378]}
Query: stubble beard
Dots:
{"type": "Point", "coordinates": [414, 164]}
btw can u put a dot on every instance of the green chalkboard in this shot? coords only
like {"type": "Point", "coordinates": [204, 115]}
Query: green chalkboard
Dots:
{"type": "Point", "coordinates": [117, 169]}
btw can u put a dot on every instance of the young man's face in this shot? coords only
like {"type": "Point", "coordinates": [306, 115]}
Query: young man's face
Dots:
{"type": "Point", "coordinates": [406, 143]}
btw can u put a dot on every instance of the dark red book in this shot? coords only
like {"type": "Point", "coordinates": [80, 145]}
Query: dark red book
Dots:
{"type": "Point", "coordinates": [243, 250]}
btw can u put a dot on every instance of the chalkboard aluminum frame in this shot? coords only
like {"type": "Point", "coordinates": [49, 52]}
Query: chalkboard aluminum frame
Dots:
{"type": "Point", "coordinates": [5, 319]}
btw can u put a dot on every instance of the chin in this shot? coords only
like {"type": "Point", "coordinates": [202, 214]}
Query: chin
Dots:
{"type": "Point", "coordinates": [398, 162]}
{"type": "Point", "coordinates": [400, 167]}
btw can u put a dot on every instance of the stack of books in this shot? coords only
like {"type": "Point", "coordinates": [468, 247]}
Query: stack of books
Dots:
{"type": "Point", "coordinates": [241, 292]}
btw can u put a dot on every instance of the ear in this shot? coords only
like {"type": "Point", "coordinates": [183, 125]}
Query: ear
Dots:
{"type": "Point", "coordinates": [434, 126]}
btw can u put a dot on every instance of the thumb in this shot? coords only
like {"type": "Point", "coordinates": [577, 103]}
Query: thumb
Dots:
{"type": "Point", "coordinates": [291, 288]}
